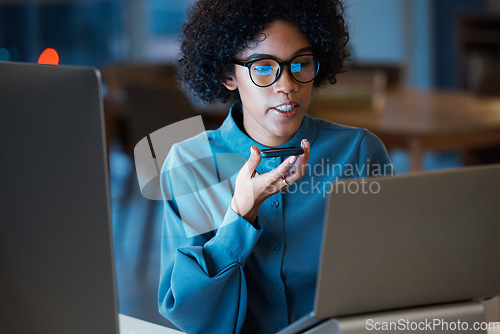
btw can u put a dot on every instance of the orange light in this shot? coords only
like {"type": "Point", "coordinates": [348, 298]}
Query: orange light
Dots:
{"type": "Point", "coordinates": [49, 56]}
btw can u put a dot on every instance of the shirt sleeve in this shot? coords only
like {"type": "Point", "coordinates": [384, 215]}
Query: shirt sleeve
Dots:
{"type": "Point", "coordinates": [373, 157]}
{"type": "Point", "coordinates": [202, 283]}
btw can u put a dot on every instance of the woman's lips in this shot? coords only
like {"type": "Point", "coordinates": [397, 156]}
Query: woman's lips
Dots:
{"type": "Point", "coordinates": [287, 109]}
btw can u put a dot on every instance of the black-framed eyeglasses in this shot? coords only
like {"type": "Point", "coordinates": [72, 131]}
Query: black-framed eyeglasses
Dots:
{"type": "Point", "coordinates": [266, 71]}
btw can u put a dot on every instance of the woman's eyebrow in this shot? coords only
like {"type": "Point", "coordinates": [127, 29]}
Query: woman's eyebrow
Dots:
{"type": "Point", "coordinates": [307, 48]}
{"type": "Point", "coordinates": [258, 55]}
{"type": "Point", "coordinates": [265, 55]}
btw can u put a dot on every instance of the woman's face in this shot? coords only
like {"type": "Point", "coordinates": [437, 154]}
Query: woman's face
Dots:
{"type": "Point", "coordinates": [272, 115]}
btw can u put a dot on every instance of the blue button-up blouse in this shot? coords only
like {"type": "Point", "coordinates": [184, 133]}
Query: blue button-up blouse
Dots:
{"type": "Point", "coordinates": [219, 273]}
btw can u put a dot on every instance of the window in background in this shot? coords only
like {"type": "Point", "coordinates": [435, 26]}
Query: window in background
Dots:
{"type": "Point", "coordinates": [92, 33]}
{"type": "Point", "coordinates": [165, 20]}
{"type": "Point", "coordinates": [446, 16]}
{"type": "Point", "coordinates": [83, 33]}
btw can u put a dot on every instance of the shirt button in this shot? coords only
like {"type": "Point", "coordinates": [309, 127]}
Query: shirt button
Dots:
{"type": "Point", "coordinates": [277, 246]}
{"type": "Point", "coordinates": [275, 203]}
{"type": "Point", "coordinates": [277, 287]}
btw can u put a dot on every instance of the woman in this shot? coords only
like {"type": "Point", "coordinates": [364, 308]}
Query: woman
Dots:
{"type": "Point", "coordinates": [242, 234]}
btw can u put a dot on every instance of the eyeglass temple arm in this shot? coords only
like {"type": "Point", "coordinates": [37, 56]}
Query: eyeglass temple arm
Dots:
{"type": "Point", "coordinates": [236, 62]}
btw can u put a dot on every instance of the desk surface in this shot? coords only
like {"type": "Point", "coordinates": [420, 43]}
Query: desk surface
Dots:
{"type": "Point", "coordinates": [420, 121]}
{"type": "Point", "coordinates": [130, 325]}
{"type": "Point", "coordinates": [408, 111]}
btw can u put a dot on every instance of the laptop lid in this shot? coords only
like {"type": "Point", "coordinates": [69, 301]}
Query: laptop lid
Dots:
{"type": "Point", "coordinates": [411, 240]}
{"type": "Point", "coordinates": [56, 259]}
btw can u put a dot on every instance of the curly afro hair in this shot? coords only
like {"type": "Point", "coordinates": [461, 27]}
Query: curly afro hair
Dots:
{"type": "Point", "coordinates": [217, 30]}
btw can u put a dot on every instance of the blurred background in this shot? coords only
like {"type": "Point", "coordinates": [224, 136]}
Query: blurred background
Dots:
{"type": "Point", "coordinates": [425, 78]}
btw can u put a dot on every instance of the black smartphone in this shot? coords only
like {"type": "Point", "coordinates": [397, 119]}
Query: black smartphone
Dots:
{"type": "Point", "coordinates": [281, 152]}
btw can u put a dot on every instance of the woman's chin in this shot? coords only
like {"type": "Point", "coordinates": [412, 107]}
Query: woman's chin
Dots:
{"type": "Point", "coordinates": [286, 134]}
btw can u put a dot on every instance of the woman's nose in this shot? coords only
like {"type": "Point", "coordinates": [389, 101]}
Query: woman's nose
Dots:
{"type": "Point", "coordinates": [286, 83]}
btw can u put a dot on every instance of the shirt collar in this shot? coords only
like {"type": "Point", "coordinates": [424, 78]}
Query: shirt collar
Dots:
{"type": "Point", "coordinates": [231, 131]}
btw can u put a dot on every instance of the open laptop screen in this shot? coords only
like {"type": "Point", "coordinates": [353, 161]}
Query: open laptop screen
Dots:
{"type": "Point", "coordinates": [56, 259]}
{"type": "Point", "coordinates": [417, 239]}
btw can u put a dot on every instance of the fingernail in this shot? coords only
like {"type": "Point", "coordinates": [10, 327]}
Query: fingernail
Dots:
{"type": "Point", "coordinates": [292, 159]}
{"type": "Point", "coordinates": [253, 150]}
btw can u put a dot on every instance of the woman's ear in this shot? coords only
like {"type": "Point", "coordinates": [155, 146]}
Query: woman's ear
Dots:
{"type": "Point", "coordinates": [228, 79]}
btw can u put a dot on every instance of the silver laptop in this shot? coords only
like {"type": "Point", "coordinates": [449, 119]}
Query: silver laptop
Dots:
{"type": "Point", "coordinates": [56, 259]}
{"type": "Point", "coordinates": [412, 240]}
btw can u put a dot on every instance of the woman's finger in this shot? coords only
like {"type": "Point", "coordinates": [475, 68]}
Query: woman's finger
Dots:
{"type": "Point", "coordinates": [299, 169]}
{"type": "Point", "coordinates": [249, 168]}
{"type": "Point", "coordinates": [278, 172]}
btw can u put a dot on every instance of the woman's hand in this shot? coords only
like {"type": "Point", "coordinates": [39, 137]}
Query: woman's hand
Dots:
{"type": "Point", "coordinates": [252, 188]}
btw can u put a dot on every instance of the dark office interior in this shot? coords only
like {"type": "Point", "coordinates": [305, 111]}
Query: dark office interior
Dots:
{"type": "Point", "coordinates": [444, 54]}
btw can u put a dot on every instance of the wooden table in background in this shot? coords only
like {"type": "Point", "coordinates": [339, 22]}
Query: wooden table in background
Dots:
{"type": "Point", "coordinates": [420, 121]}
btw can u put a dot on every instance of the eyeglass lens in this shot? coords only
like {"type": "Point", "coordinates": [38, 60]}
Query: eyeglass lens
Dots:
{"type": "Point", "coordinates": [302, 68]}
